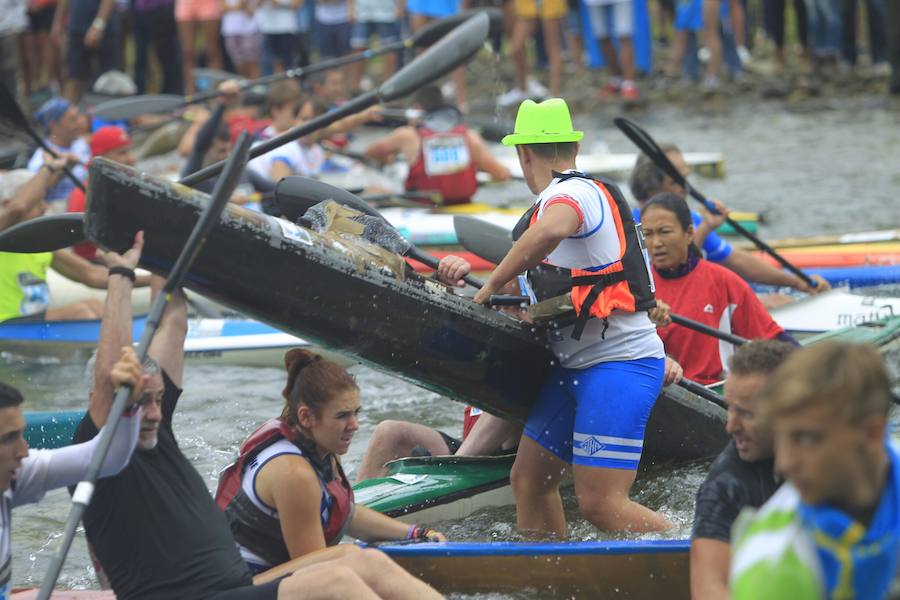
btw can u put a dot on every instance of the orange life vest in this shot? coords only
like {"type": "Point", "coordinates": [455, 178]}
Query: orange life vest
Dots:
{"type": "Point", "coordinates": [625, 284]}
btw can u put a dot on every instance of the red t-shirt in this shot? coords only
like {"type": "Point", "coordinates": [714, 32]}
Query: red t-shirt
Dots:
{"type": "Point", "coordinates": [714, 296]}
{"type": "Point", "coordinates": [78, 203]}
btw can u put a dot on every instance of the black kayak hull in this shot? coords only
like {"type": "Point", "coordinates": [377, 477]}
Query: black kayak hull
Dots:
{"type": "Point", "coordinates": [332, 293]}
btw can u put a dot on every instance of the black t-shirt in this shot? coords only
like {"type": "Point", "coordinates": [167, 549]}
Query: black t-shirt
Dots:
{"type": "Point", "coordinates": [730, 485]}
{"type": "Point", "coordinates": [155, 527]}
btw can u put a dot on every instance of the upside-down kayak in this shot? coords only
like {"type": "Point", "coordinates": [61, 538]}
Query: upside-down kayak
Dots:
{"type": "Point", "coordinates": [359, 300]}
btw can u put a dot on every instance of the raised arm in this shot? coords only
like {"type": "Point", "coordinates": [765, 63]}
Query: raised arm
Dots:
{"type": "Point", "coordinates": [396, 143]}
{"type": "Point", "coordinates": [167, 347]}
{"type": "Point", "coordinates": [115, 329]}
{"type": "Point", "coordinates": [45, 470]}
{"type": "Point", "coordinates": [32, 193]}
{"type": "Point", "coordinates": [753, 269]}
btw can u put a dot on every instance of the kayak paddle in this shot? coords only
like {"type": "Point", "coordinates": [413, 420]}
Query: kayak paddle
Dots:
{"type": "Point", "coordinates": [13, 116]}
{"type": "Point", "coordinates": [205, 223]}
{"type": "Point", "coordinates": [33, 236]}
{"type": "Point", "coordinates": [703, 391]}
{"type": "Point", "coordinates": [648, 146]}
{"type": "Point", "coordinates": [128, 108]}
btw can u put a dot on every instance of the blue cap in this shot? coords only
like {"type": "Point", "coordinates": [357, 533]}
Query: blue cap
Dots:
{"type": "Point", "coordinates": [51, 111]}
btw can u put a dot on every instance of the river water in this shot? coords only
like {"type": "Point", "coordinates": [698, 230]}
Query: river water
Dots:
{"type": "Point", "coordinates": [832, 169]}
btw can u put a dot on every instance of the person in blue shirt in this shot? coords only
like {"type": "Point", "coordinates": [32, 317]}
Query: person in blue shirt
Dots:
{"type": "Point", "coordinates": [833, 530]}
{"type": "Point", "coordinates": [648, 180]}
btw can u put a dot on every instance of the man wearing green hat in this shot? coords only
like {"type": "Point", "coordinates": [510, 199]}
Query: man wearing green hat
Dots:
{"type": "Point", "coordinates": [594, 406]}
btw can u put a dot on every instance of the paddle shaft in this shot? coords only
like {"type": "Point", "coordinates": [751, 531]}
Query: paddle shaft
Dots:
{"type": "Point", "coordinates": [703, 328]}
{"type": "Point", "coordinates": [703, 392]}
{"type": "Point", "coordinates": [648, 146]}
{"type": "Point", "coordinates": [81, 498]}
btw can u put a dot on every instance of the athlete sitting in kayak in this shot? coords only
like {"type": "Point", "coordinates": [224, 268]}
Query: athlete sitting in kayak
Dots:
{"type": "Point", "coordinates": [25, 476]}
{"type": "Point", "coordinates": [648, 180]}
{"type": "Point", "coordinates": [833, 529]}
{"type": "Point", "coordinates": [24, 293]}
{"type": "Point", "coordinates": [287, 495]}
{"type": "Point", "coordinates": [483, 434]}
{"type": "Point", "coordinates": [594, 406]}
{"type": "Point", "coordinates": [743, 475]}
{"type": "Point", "coordinates": [155, 528]}
{"type": "Point", "coordinates": [442, 153]}
{"type": "Point", "coordinates": [700, 290]}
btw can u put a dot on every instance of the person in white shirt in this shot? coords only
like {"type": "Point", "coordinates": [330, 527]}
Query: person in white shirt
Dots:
{"type": "Point", "coordinates": [25, 476]}
{"type": "Point", "coordinates": [63, 129]}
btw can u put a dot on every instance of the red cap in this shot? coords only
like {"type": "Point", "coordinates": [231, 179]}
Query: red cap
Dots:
{"type": "Point", "coordinates": [108, 137]}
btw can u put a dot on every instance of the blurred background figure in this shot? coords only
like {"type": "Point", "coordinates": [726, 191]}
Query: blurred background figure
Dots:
{"type": "Point", "coordinates": [195, 16]}
{"type": "Point", "coordinates": [243, 41]}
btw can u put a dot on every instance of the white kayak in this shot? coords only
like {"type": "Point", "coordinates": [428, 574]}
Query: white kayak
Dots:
{"type": "Point", "coordinates": [832, 310]}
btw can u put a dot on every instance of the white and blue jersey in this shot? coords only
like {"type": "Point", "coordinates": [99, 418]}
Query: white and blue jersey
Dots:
{"type": "Point", "coordinates": [790, 550]}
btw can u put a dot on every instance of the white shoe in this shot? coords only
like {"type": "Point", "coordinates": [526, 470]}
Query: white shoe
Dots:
{"type": "Point", "coordinates": [744, 55]}
{"type": "Point", "coordinates": [535, 88]}
{"type": "Point", "coordinates": [513, 96]}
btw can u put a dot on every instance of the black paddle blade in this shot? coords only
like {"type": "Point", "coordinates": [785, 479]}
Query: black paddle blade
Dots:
{"type": "Point", "coordinates": [438, 29]}
{"type": "Point", "coordinates": [44, 234]}
{"type": "Point", "coordinates": [135, 106]}
{"type": "Point", "coordinates": [648, 146]}
{"type": "Point", "coordinates": [453, 50]}
{"type": "Point", "coordinates": [485, 240]}
{"type": "Point", "coordinates": [295, 195]}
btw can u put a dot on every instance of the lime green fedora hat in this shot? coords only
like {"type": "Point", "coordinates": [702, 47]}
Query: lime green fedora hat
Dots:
{"type": "Point", "coordinates": [545, 123]}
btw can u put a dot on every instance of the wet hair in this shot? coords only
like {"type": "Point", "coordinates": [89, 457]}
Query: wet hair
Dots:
{"type": "Point", "coordinates": [760, 357]}
{"type": "Point", "coordinates": [9, 396]}
{"type": "Point", "coordinates": [284, 92]}
{"type": "Point", "coordinates": [312, 381]}
{"type": "Point", "coordinates": [646, 178]}
{"type": "Point", "coordinates": [553, 151]}
{"type": "Point", "coordinates": [672, 203]}
{"type": "Point", "coordinates": [851, 379]}
{"type": "Point", "coordinates": [429, 98]}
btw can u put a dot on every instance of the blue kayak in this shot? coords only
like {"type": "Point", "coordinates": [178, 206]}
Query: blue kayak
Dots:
{"type": "Point", "coordinates": [227, 341]}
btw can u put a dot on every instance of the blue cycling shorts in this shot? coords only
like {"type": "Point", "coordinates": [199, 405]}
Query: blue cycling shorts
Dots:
{"type": "Point", "coordinates": [596, 417]}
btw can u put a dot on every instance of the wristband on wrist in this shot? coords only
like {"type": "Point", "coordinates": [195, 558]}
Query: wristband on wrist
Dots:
{"type": "Point", "coordinates": [98, 23]}
{"type": "Point", "coordinates": [124, 272]}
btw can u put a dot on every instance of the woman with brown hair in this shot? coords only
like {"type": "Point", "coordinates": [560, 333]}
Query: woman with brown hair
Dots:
{"type": "Point", "coordinates": [287, 494]}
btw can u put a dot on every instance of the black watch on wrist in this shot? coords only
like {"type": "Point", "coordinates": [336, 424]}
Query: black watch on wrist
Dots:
{"type": "Point", "coordinates": [124, 272]}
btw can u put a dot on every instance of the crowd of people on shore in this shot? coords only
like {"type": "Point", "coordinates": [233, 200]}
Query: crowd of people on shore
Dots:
{"type": "Point", "coordinates": [62, 46]}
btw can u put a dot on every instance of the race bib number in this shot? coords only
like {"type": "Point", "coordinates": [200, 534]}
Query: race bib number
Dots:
{"type": "Point", "coordinates": [445, 154]}
{"type": "Point", "coordinates": [35, 294]}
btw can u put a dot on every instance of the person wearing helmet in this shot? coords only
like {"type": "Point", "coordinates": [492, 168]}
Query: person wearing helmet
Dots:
{"type": "Point", "coordinates": [579, 243]}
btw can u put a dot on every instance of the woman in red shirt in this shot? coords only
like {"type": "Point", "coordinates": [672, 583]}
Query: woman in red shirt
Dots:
{"type": "Point", "coordinates": [700, 290]}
